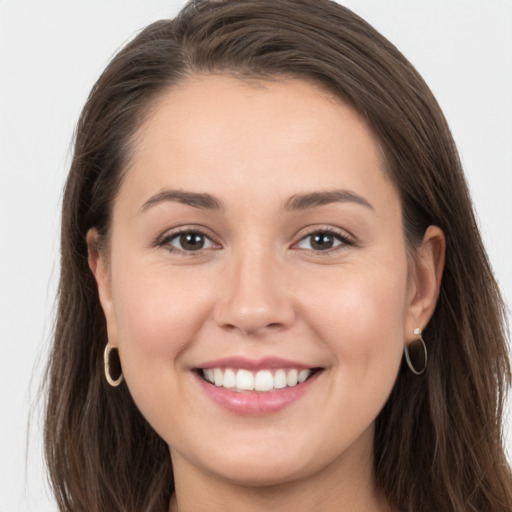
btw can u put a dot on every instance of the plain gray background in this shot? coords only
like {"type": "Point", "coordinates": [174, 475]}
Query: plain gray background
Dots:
{"type": "Point", "coordinates": [51, 53]}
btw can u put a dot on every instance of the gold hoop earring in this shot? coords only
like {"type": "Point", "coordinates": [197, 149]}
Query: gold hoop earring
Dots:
{"type": "Point", "coordinates": [106, 363]}
{"type": "Point", "coordinates": [416, 354]}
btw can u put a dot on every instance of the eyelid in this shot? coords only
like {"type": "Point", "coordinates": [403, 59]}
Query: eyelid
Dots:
{"type": "Point", "coordinates": [164, 240]}
{"type": "Point", "coordinates": [345, 238]}
{"type": "Point", "coordinates": [169, 235]}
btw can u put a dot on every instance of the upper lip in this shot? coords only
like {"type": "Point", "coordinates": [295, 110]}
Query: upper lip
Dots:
{"type": "Point", "coordinates": [266, 363]}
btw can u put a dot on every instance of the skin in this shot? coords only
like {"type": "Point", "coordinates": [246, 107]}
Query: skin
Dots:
{"type": "Point", "coordinates": [259, 288]}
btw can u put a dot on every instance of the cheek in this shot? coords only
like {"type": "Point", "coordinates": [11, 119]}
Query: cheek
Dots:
{"type": "Point", "coordinates": [359, 314]}
{"type": "Point", "coordinates": [364, 330]}
{"type": "Point", "coordinates": [158, 315]}
{"type": "Point", "coordinates": [154, 307]}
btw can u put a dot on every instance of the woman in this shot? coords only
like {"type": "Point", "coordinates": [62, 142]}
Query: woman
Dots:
{"type": "Point", "coordinates": [265, 210]}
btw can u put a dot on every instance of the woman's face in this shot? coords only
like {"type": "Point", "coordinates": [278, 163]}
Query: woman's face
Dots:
{"type": "Point", "coordinates": [257, 240]}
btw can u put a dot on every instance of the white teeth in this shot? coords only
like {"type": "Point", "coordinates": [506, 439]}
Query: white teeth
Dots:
{"type": "Point", "coordinates": [218, 377]}
{"type": "Point", "coordinates": [209, 375]}
{"type": "Point", "coordinates": [292, 378]}
{"type": "Point", "coordinates": [280, 379]}
{"type": "Point", "coordinates": [303, 375]}
{"type": "Point", "coordinates": [263, 380]}
{"type": "Point", "coordinates": [245, 380]}
{"type": "Point", "coordinates": [229, 379]}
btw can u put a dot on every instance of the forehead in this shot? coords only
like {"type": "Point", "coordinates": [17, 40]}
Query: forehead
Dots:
{"type": "Point", "coordinates": [224, 135]}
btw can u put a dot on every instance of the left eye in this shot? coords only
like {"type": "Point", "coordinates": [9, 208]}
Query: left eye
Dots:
{"type": "Point", "coordinates": [321, 241]}
{"type": "Point", "coordinates": [190, 241]}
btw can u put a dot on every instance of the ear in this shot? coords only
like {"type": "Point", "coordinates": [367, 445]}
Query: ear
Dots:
{"type": "Point", "coordinates": [425, 277]}
{"type": "Point", "coordinates": [100, 269]}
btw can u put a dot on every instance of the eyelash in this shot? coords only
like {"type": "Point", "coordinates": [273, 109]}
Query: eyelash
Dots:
{"type": "Point", "coordinates": [344, 239]}
{"type": "Point", "coordinates": [166, 240]}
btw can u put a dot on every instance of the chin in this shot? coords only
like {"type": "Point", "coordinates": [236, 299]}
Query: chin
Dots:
{"type": "Point", "coordinates": [261, 473]}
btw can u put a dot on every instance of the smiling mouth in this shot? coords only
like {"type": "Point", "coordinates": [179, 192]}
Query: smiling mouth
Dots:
{"type": "Point", "coordinates": [262, 381]}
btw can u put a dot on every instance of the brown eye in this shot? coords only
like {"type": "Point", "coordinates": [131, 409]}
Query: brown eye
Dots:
{"type": "Point", "coordinates": [190, 241]}
{"type": "Point", "coordinates": [323, 241]}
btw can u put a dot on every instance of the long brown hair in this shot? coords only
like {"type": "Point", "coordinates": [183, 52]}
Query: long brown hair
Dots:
{"type": "Point", "coordinates": [438, 441]}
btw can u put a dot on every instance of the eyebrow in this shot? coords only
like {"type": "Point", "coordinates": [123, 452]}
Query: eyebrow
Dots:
{"type": "Point", "coordinates": [195, 199]}
{"type": "Point", "coordinates": [205, 201]}
{"type": "Point", "coordinates": [313, 199]}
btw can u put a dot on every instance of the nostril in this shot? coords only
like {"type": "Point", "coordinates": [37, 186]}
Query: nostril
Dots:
{"type": "Point", "coordinates": [254, 309]}
{"type": "Point", "coordinates": [254, 329]}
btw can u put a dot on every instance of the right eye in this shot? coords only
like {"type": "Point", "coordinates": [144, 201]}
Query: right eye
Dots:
{"type": "Point", "coordinates": [187, 241]}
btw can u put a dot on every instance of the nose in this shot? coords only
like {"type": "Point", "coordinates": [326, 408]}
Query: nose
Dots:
{"type": "Point", "coordinates": [254, 296]}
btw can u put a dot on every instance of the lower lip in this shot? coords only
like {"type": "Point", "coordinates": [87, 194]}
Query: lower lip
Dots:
{"type": "Point", "coordinates": [254, 403]}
